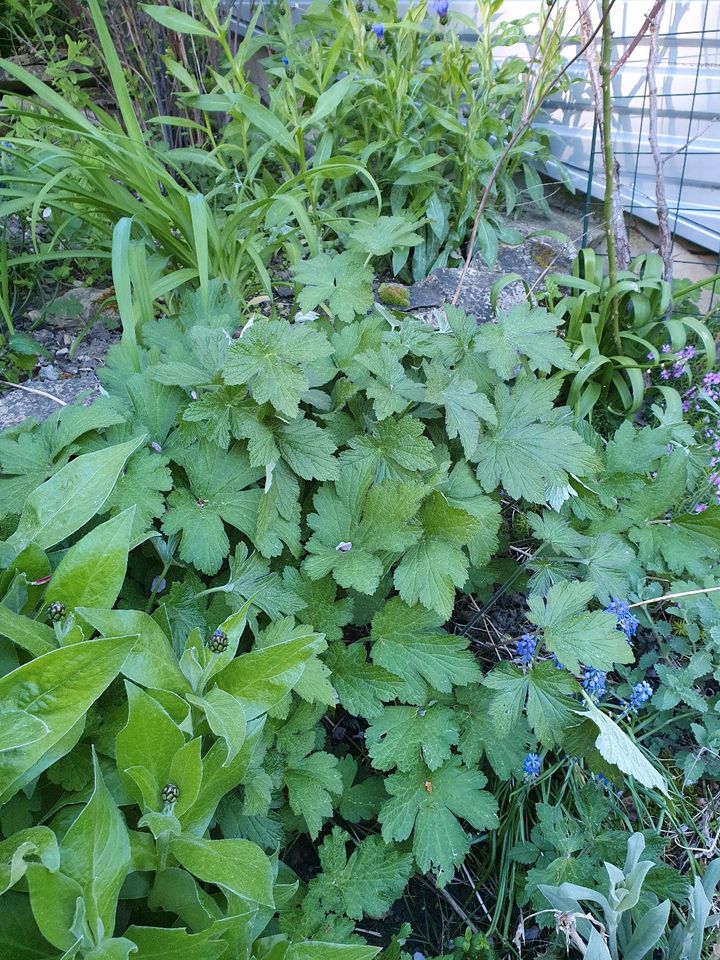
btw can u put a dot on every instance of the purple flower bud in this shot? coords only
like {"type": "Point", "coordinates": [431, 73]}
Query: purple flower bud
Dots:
{"type": "Point", "coordinates": [344, 546]}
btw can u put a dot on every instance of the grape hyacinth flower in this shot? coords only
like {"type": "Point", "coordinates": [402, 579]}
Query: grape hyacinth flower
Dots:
{"type": "Point", "coordinates": [558, 665]}
{"type": "Point", "coordinates": [525, 649]}
{"type": "Point", "coordinates": [531, 766]}
{"type": "Point", "coordinates": [639, 695]}
{"type": "Point", "coordinates": [594, 681]}
{"type": "Point", "coordinates": [626, 621]}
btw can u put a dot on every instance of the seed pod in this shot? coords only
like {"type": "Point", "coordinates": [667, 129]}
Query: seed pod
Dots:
{"type": "Point", "coordinates": [217, 642]}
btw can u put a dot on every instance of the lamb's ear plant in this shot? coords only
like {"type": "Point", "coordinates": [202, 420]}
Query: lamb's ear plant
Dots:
{"type": "Point", "coordinates": [624, 921]}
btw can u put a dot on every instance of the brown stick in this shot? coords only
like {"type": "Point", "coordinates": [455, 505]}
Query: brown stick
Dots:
{"type": "Point", "coordinates": [643, 30]}
{"type": "Point", "coordinates": [663, 213]}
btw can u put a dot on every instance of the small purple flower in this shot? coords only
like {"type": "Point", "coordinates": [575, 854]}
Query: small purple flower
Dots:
{"type": "Point", "coordinates": [441, 9]}
{"type": "Point", "coordinates": [594, 681]}
{"type": "Point", "coordinates": [379, 30]}
{"type": "Point", "coordinates": [525, 649]}
{"type": "Point", "coordinates": [532, 765]}
{"type": "Point", "coordinates": [344, 546]}
{"type": "Point", "coordinates": [700, 507]}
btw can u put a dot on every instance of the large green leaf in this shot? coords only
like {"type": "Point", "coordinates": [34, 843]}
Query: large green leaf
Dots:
{"type": "Point", "coordinates": [238, 866]}
{"type": "Point", "coordinates": [152, 662]}
{"type": "Point", "coordinates": [616, 747]}
{"type": "Point", "coordinates": [95, 852]}
{"type": "Point", "coordinates": [57, 688]}
{"type": "Point", "coordinates": [92, 572]}
{"type": "Point", "coordinates": [65, 502]}
{"type": "Point", "coordinates": [575, 634]}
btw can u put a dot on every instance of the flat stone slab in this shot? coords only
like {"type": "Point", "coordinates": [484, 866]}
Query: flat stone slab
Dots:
{"type": "Point", "coordinates": [533, 259]}
{"type": "Point", "coordinates": [17, 405]}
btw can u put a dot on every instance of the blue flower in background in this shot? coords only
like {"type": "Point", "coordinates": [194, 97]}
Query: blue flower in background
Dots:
{"type": "Point", "coordinates": [594, 681]}
{"type": "Point", "coordinates": [531, 766]}
{"type": "Point", "coordinates": [626, 620]}
{"type": "Point", "coordinates": [285, 62]}
{"type": "Point", "coordinates": [525, 649]}
{"type": "Point", "coordinates": [558, 665]}
{"type": "Point", "coordinates": [379, 30]}
{"type": "Point", "coordinates": [441, 9]}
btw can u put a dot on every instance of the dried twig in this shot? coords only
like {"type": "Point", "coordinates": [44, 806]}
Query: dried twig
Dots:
{"type": "Point", "coordinates": [636, 40]}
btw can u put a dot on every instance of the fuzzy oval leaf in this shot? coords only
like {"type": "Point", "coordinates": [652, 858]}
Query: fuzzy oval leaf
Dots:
{"type": "Point", "coordinates": [238, 866]}
{"type": "Point", "coordinates": [616, 747]}
{"type": "Point", "coordinates": [57, 688]}
{"type": "Point", "coordinates": [65, 502]}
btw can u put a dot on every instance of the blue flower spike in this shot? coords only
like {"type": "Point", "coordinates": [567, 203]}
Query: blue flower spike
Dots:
{"type": "Point", "coordinates": [639, 695]}
{"type": "Point", "coordinates": [525, 649]}
{"type": "Point", "coordinates": [532, 764]}
{"type": "Point", "coordinates": [594, 682]}
{"type": "Point", "coordinates": [627, 622]}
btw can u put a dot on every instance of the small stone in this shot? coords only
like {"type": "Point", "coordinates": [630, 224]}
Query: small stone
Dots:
{"type": "Point", "coordinates": [394, 295]}
{"type": "Point", "coordinates": [63, 352]}
{"type": "Point", "coordinates": [49, 373]}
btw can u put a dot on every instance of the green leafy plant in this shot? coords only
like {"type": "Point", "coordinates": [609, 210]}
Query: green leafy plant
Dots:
{"type": "Point", "coordinates": [614, 363]}
{"type": "Point", "coordinates": [633, 923]}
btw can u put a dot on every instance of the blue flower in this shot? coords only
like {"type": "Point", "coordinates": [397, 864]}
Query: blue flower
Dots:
{"type": "Point", "coordinates": [602, 779]}
{"type": "Point", "coordinates": [639, 695]}
{"type": "Point", "coordinates": [558, 665]}
{"type": "Point", "coordinates": [525, 649]}
{"type": "Point", "coordinates": [379, 30]}
{"type": "Point", "coordinates": [626, 621]}
{"type": "Point", "coordinates": [285, 62]}
{"type": "Point", "coordinates": [441, 9]}
{"type": "Point", "coordinates": [531, 766]}
{"type": "Point", "coordinates": [594, 681]}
